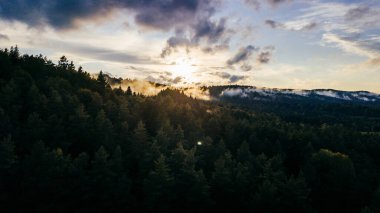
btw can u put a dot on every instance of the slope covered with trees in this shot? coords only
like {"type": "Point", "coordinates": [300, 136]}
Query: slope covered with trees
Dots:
{"type": "Point", "coordinates": [71, 143]}
{"type": "Point", "coordinates": [307, 106]}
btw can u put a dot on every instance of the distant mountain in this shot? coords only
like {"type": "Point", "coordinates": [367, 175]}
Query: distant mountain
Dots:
{"type": "Point", "coordinates": [268, 94]}
{"type": "Point", "coordinates": [359, 109]}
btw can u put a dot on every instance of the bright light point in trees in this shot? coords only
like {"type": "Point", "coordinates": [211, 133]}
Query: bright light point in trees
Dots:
{"type": "Point", "coordinates": [199, 143]}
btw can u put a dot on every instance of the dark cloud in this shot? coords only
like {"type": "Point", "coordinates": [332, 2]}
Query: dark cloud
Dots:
{"type": "Point", "coordinates": [277, 2]}
{"type": "Point", "coordinates": [246, 67]}
{"type": "Point", "coordinates": [177, 80]}
{"type": "Point", "coordinates": [264, 57]}
{"type": "Point", "coordinates": [208, 50]}
{"type": "Point", "coordinates": [164, 79]}
{"type": "Point", "coordinates": [173, 42]}
{"type": "Point", "coordinates": [237, 78]}
{"type": "Point", "coordinates": [4, 37]}
{"type": "Point", "coordinates": [357, 13]}
{"type": "Point", "coordinates": [213, 33]}
{"type": "Point", "coordinates": [309, 26]}
{"type": "Point", "coordinates": [61, 14]}
{"type": "Point", "coordinates": [271, 23]}
{"type": "Point", "coordinates": [215, 48]}
{"type": "Point", "coordinates": [165, 18]}
{"type": "Point", "coordinates": [242, 55]}
{"type": "Point", "coordinates": [224, 75]}
{"type": "Point", "coordinates": [231, 78]}
{"type": "Point", "coordinates": [274, 24]}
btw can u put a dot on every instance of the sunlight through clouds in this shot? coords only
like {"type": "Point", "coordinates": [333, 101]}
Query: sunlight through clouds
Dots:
{"type": "Point", "coordinates": [201, 47]}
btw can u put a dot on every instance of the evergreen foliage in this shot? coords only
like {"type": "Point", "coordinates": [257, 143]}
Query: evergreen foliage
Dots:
{"type": "Point", "coordinates": [71, 143]}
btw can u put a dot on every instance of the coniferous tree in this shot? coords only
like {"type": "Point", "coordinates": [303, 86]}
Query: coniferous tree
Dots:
{"type": "Point", "coordinates": [158, 187]}
{"type": "Point", "coordinates": [129, 91]}
{"type": "Point", "coordinates": [63, 62]}
{"type": "Point", "coordinates": [7, 155]}
{"type": "Point", "coordinates": [102, 81]}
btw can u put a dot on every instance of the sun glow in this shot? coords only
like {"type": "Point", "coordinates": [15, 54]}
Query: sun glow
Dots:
{"type": "Point", "coordinates": [184, 67]}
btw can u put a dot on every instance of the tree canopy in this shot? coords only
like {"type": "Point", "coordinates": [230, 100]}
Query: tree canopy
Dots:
{"type": "Point", "coordinates": [69, 142]}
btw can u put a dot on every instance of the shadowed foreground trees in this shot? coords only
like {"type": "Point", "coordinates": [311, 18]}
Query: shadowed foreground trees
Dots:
{"type": "Point", "coordinates": [69, 142]}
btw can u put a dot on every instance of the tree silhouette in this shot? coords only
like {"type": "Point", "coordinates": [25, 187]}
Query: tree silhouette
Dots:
{"type": "Point", "coordinates": [63, 62]}
{"type": "Point", "coordinates": [129, 91]}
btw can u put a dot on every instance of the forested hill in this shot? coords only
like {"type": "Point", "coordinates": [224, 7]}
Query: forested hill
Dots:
{"type": "Point", "coordinates": [359, 110]}
{"type": "Point", "coordinates": [70, 143]}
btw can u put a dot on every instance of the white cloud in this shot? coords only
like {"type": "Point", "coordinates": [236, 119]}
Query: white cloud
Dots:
{"type": "Point", "coordinates": [367, 48]}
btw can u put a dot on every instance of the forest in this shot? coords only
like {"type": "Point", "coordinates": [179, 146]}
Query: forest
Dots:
{"type": "Point", "coordinates": [71, 143]}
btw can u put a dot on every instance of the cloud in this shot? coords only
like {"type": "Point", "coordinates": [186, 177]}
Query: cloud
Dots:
{"type": "Point", "coordinates": [246, 67]}
{"type": "Point", "coordinates": [256, 4]}
{"type": "Point", "coordinates": [164, 79]}
{"type": "Point", "coordinates": [271, 23]}
{"type": "Point", "coordinates": [277, 2]}
{"type": "Point", "coordinates": [99, 53]}
{"type": "Point", "coordinates": [264, 57]}
{"type": "Point", "coordinates": [173, 43]}
{"type": "Point", "coordinates": [146, 70]}
{"type": "Point", "coordinates": [140, 86]}
{"type": "Point", "coordinates": [369, 46]}
{"type": "Point", "coordinates": [215, 48]}
{"type": "Point", "coordinates": [357, 13]}
{"type": "Point", "coordinates": [242, 55]}
{"type": "Point", "coordinates": [4, 37]}
{"type": "Point", "coordinates": [212, 33]}
{"type": "Point", "coordinates": [343, 17]}
{"type": "Point", "coordinates": [224, 75]}
{"type": "Point", "coordinates": [237, 78]}
{"type": "Point", "coordinates": [63, 14]}
{"type": "Point", "coordinates": [310, 26]}
{"type": "Point", "coordinates": [293, 26]}
{"type": "Point", "coordinates": [231, 78]}
{"type": "Point", "coordinates": [110, 55]}
{"type": "Point", "coordinates": [232, 92]}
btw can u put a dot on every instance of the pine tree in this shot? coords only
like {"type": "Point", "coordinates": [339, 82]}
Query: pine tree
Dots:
{"type": "Point", "coordinates": [63, 62]}
{"type": "Point", "coordinates": [244, 154]}
{"type": "Point", "coordinates": [158, 187]}
{"type": "Point", "coordinates": [140, 134]}
{"type": "Point", "coordinates": [71, 66]}
{"type": "Point", "coordinates": [102, 81]}
{"type": "Point", "coordinates": [129, 91]}
{"type": "Point", "coordinates": [100, 163]}
{"type": "Point", "coordinates": [7, 155]}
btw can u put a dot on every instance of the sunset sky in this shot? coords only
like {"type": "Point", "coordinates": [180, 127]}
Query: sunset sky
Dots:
{"type": "Point", "coordinates": [300, 44]}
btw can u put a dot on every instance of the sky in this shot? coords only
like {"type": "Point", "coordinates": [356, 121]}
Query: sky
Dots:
{"type": "Point", "coordinates": [297, 44]}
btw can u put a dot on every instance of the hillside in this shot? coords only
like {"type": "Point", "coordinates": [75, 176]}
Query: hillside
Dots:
{"type": "Point", "coordinates": [358, 110]}
{"type": "Point", "coordinates": [69, 142]}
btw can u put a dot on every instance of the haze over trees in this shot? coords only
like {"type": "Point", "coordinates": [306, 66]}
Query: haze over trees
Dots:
{"type": "Point", "coordinates": [71, 143]}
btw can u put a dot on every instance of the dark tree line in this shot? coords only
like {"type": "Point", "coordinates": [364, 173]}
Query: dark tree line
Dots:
{"type": "Point", "coordinates": [70, 143]}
